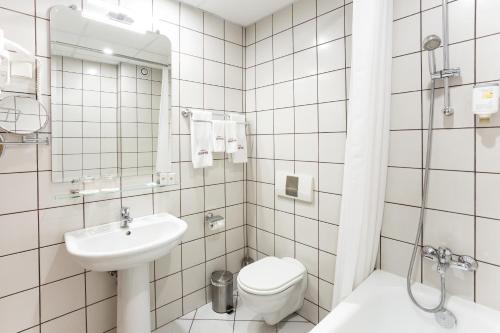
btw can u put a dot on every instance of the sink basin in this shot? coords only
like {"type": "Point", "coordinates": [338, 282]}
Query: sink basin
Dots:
{"type": "Point", "coordinates": [108, 247]}
{"type": "Point", "coordinates": [128, 250]}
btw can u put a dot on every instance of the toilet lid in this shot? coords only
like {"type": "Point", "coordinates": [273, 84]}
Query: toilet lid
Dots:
{"type": "Point", "coordinates": [270, 275]}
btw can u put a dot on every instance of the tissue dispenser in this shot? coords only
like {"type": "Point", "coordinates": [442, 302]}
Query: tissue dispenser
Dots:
{"type": "Point", "coordinates": [295, 186]}
{"type": "Point", "coordinates": [215, 222]}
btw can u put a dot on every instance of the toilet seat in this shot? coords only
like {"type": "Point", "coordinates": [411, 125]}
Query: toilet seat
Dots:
{"type": "Point", "coordinates": [270, 275]}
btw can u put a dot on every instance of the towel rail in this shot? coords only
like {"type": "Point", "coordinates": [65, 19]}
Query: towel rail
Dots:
{"type": "Point", "coordinates": [187, 113]}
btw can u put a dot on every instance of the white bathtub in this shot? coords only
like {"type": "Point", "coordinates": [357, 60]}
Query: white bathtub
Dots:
{"type": "Point", "coordinates": [381, 305]}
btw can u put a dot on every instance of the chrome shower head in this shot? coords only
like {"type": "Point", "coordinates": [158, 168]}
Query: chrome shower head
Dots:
{"type": "Point", "coordinates": [431, 42]}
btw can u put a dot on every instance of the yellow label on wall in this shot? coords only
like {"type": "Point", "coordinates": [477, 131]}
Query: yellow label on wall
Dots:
{"type": "Point", "coordinates": [487, 94]}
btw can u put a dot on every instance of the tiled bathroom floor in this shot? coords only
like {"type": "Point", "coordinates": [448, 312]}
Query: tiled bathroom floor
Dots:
{"type": "Point", "coordinates": [242, 320]}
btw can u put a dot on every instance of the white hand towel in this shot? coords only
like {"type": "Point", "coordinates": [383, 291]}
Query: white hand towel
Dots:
{"type": "Point", "coordinates": [201, 139]}
{"type": "Point", "coordinates": [240, 156]}
{"type": "Point", "coordinates": [218, 135]}
{"type": "Point", "coordinates": [231, 136]}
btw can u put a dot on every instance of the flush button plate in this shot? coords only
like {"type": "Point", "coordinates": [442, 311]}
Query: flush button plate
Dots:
{"type": "Point", "coordinates": [292, 186]}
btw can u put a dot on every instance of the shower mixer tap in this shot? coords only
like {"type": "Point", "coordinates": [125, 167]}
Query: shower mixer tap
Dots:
{"type": "Point", "coordinates": [445, 259]}
{"type": "Point", "coordinates": [446, 73]}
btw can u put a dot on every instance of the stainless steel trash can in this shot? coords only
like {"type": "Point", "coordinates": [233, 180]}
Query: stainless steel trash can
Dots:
{"type": "Point", "coordinates": [222, 291]}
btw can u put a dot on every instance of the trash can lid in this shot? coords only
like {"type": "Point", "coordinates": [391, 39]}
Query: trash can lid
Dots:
{"type": "Point", "coordinates": [221, 278]}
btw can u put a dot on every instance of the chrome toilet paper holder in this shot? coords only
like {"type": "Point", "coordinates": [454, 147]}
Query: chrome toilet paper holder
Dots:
{"type": "Point", "coordinates": [212, 219]}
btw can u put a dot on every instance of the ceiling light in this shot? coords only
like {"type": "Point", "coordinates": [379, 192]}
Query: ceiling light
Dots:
{"type": "Point", "coordinates": [116, 16]}
{"type": "Point", "coordinates": [107, 50]}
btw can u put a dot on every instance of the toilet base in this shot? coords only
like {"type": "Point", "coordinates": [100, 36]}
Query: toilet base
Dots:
{"type": "Point", "coordinates": [276, 317]}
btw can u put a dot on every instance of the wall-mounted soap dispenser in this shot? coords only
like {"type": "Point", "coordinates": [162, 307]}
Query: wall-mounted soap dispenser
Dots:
{"type": "Point", "coordinates": [485, 100]}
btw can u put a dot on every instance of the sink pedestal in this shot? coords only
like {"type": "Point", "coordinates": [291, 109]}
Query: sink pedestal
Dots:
{"type": "Point", "coordinates": [133, 300]}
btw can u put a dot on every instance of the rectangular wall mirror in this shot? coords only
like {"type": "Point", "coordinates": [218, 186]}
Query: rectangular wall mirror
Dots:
{"type": "Point", "coordinates": [106, 87]}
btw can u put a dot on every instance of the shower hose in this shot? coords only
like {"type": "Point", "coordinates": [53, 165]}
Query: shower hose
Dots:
{"type": "Point", "coordinates": [440, 306]}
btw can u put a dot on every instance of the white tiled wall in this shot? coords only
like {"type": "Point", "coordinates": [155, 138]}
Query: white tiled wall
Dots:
{"type": "Point", "coordinates": [41, 289]}
{"type": "Point", "coordinates": [297, 80]}
{"type": "Point", "coordinates": [463, 211]}
{"type": "Point", "coordinates": [296, 96]}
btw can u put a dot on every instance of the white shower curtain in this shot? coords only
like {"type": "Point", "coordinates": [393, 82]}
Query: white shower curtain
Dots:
{"type": "Point", "coordinates": [163, 155]}
{"type": "Point", "coordinates": [367, 145]}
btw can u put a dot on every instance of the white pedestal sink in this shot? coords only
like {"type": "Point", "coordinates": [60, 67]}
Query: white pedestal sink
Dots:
{"type": "Point", "coordinates": [128, 250]}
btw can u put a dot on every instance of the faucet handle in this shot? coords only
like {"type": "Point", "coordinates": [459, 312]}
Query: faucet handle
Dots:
{"type": "Point", "coordinates": [125, 212]}
{"type": "Point", "coordinates": [464, 263]}
{"type": "Point", "coordinates": [430, 253]}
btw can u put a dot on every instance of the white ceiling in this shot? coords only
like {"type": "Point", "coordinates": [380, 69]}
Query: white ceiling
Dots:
{"type": "Point", "coordinates": [244, 12]}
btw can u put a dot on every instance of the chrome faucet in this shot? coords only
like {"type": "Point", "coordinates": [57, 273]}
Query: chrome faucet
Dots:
{"type": "Point", "coordinates": [126, 219]}
{"type": "Point", "coordinates": [446, 259]}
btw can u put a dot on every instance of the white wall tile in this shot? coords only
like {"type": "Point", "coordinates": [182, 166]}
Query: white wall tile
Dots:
{"type": "Point", "coordinates": [404, 8]}
{"type": "Point", "coordinates": [331, 56]}
{"type": "Point", "coordinates": [264, 51]}
{"type": "Point", "coordinates": [405, 149]}
{"type": "Point", "coordinates": [303, 10]}
{"type": "Point", "coordinates": [305, 90]}
{"type": "Point", "coordinates": [452, 191]}
{"type": "Point", "coordinates": [486, 23]}
{"type": "Point", "coordinates": [19, 232]}
{"type": "Point", "coordinates": [403, 186]}
{"type": "Point", "coordinates": [18, 272]}
{"type": "Point", "coordinates": [486, 191]}
{"type": "Point", "coordinates": [487, 50]}
{"type": "Point", "coordinates": [101, 316]}
{"type": "Point", "coordinates": [56, 264]}
{"type": "Point", "coordinates": [213, 25]}
{"type": "Point", "coordinates": [62, 297]}
{"type": "Point", "coordinates": [233, 54]}
{"type": "Point", "coordinates": [396, 256]}
{"type": "Point", "coordinates": [26, 307]}
{"type": "Point", "coordinates": [328, 5]}
{"type": "Point", "coordinates": [23, 196]}
{"type": "Point", "coordinates": [306, 119]}
{"type": "Point", "coordinates": [486, 240]}
{"type": "Point", "coordinates": [304, 36]}
{"type": "Point", "coordinates": [406, 35]}
{"type": "Point", "coordinates": [306, 147]}
{"type": "Point", "coordinates": [74, 321]}
{"type": "Point", "coordinates": [305, 63]}
{"type": "Point", "coordinates": [406, 73]}
{"type": "Point", "coordinates": [400, 222]}
{"type": "Point", "coordinates": [282, 43]}
{"type": "Point", "coordinates": [283, 95]}
{"type": "Point", "coordinates": [282, 19]}
{"type": "Point", "coordinates": [213, 48]}
{"type": "Point", "coordinates": [331, 26]}
{"type": "Point", "coordinates": [487, 286]}
{"type": "Point", "coordinates": [233, 33]}
{"type": "Point", "coordinates": [264, 28]}
{"type": "Point", "coordinates": [331, 86]}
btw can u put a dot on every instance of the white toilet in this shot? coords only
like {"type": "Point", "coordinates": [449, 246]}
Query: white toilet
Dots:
{"type": "Point", "coordinates": [273, 287]}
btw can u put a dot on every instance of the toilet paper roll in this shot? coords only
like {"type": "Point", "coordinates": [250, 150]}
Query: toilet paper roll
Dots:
{"type": "Point", "coordinates": [217, 225]}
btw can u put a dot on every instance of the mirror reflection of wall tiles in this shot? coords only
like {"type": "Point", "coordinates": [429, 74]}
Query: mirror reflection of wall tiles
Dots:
{"type": "Point", "coordinates": [86, 120]}
{"type": "Point", "coordinates": [139, 104]}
